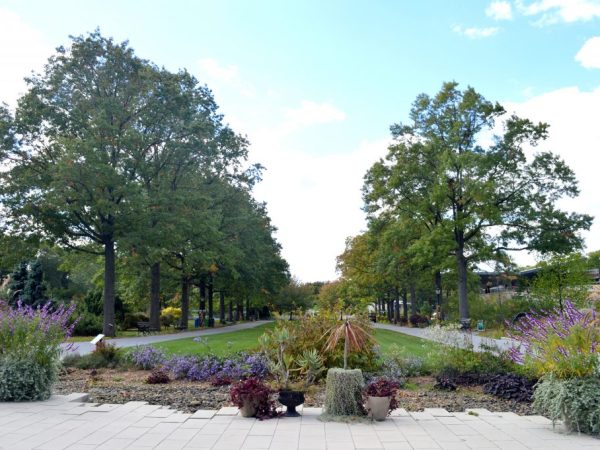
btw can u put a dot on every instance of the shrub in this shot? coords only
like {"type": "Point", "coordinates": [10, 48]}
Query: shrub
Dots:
{"type": "Point", "coordinates": [510, 387]}
{"type": "Point", "coordinates": [130, 320]}
{"type": "Point", "coordinates": [397, 364]}
{"type": "Point", "coordinates": [576, 401]}
{"type": "Point", "coordinates": [457, 353]}
{"type": "Point", "coordinates": [343, 393]}
{"type": "Point", "coordinates": [22, 379]}
{"type": "Point", "coordinates": [158, 376]}
{"type": "Point", "coordinates": [30, 349]}
{"type": "Point", "coordinates": [147, 357]}
{"type": "Point", "coordinates": [88, 325]}
{"type": "Point", "coordinates": [181, 367]}
{"type": "Point", "coordinates": [565, 343]}
{"type": "Point", "coordinates": [308, 333]}
{"type": "Point", "coordinates": [254, 391]}
{"type": "Point", "coordinates": [418, 320]}
{"type": "Point", "coordinates": [170, 316]}
{"type": "Point", "coordinates": [104, 356]}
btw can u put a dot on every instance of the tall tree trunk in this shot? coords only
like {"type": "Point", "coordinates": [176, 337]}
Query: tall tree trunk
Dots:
{"type": "Point", "coordinates": [155, 296]}
{"type": "Point", "coordinates": [185, 302]}
{"type": "Point", "coordinates": [463, 301]}
{"type": "Point", "coordinates": [397, 306]}
{"type": "Point", "coordinates": [109, 328]}
{"type": "Point", "coordinates": [239, 314]}
{"type": "Point", "coordinates": [405, 306]}
{"type": "Point", "coordinates": [413, 299]}
{"type": "Point", "coordinates": [438, 292]}
{"type": "Point", "coordinates": [221, 306]}
{"type": "Point", "coordinates": [202, 289]}
{"type": "Point", "coordinates": [230, 318]}
{"type": "Point", "coordinates": [211, 313]}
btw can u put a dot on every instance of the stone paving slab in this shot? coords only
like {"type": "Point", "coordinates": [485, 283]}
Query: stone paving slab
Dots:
{"type": "Point", "coordinates": [64, 422]}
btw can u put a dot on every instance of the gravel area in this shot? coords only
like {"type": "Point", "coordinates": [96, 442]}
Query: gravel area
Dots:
{"type": "Point", "coordinates": [114, 386]}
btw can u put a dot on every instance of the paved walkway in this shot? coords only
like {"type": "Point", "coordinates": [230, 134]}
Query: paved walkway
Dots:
{"type": "Point", "coordinates": [478, 341]}
{"type": "Point", "coordinates": [67, 423]}
{"type": "Point", "coordinates": [85, 347]}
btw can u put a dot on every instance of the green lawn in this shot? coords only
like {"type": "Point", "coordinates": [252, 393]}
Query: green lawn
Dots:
{"type": "Point", "coordinates": [218, 344]}
{"type": "Point", "coordinates": [411, 345]}
{"type": "Point", "coordinates": [247, 340]}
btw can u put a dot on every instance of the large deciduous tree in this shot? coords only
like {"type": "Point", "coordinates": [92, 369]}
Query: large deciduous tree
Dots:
{"type": "Point", "coordinates": [483, 196]}
{"type": "Point", "coordinates": [95, 136]}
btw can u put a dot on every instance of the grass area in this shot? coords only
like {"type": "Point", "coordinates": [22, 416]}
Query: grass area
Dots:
{"type": "Point", "coordinates": [218, 344]}
{"type": "Point", "coordinates": [247, 340]}
{"type": "Point", "coordinates": [135, 333]}
{"type": "Point", "coordinates": [411, 345]}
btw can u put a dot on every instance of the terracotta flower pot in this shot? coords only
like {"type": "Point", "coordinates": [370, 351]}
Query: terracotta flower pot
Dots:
{"type": "Point", "coordinates": [291, 399]}
{"type": "Point", "coordinates": [378, 407]}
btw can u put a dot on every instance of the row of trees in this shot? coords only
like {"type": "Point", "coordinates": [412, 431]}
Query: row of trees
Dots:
{"type": "Point", "coordinates": [110, 155]}
{"type": "Point", "coordinates": [460, 185]}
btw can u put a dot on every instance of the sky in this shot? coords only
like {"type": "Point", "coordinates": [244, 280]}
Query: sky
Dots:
{"type": "Point", "coordinates": [315, 85]}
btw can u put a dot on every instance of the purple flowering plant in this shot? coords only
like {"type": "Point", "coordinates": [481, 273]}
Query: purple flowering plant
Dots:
{"type": "Point", "coordinates": [563, 343]}
{"type": "Point", "coordinates": [35, 333]}
{"type": "Point", "coordinates": [147, 357]}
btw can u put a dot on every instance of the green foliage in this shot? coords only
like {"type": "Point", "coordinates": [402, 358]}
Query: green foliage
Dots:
{"type": "Point", "coordinates": [561, 277]}
{"type": "Point", "coordinates": [343, 393]}
{"type": "Point", "coordinates": [104, 356]}
{"type": "Point", "coordinates": [398, 363]}
{"type": "Point", "coordinates": [18, 279]}
{"type": "Point", "coordinates": [34, 291]}
{"type": "Point", "coordinates": [456, 355]}
{"type": "Point", "coordinates": [294, 296]}
{"type": "Point", "coordinates": [438, 177]}
{"type": "Point", "coordinates": [24, 379]}
{"type": "Point", "coordinates": [576, 401]}
{"type": "Point", "coordinates": [310, 332]}
{"type": "Point", "coordinates": [273, 345]}
{"type": "Point", "coordinates": [88, 325]}
{"type": "Point", "coordinates": [131, 319]}
{"type": "Point", "coordinates": [311, 365]}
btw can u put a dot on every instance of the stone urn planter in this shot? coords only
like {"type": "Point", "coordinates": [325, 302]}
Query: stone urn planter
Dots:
{"type": "Point", "coordinates": [291, 399]}
{"type": "Point", "coordinates": [380, 397]}
{"type": "Point", "coordinates": [378, 407]}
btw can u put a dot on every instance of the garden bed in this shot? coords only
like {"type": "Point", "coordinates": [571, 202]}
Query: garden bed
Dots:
{"type": "Point", "coordinates": [117, 386]}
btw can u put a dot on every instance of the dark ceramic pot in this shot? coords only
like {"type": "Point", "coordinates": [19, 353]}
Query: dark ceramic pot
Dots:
{"type": "Point", "coordinates": [291, 399]}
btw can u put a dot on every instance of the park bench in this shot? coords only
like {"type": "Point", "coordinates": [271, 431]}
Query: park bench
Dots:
{"type": "Point", "coordinates": [145, 328]}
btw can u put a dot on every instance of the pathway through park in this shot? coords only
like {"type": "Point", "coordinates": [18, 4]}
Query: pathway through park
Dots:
{"type": "Point", "coordinates": [479, 342]}
{"type": "Point", "coordinates": [84, 348]}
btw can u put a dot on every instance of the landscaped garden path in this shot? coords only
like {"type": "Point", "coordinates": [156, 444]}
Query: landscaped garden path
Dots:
{"type": "Point", "coordinates": [65, 422]}
{"type": "Point", "coordinates": [84, 348]}
{"type": "Point", "coordinates": [478, 341]}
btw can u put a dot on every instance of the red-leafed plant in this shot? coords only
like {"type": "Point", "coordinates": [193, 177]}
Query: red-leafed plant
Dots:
{"type": "Point", "coordinates": [254, 391]}
{"type": "Point", "coordinates": [383, 387]}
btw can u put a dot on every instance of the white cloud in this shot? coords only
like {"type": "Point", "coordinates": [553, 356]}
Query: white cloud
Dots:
{"type": "Point", "coordinates": [311, 113]}
{"type": "Point", "coordinates": [23, 50]}
{"type": "Point", "coordinates": [555, 11]}
{"type": "Point", "coordinates": [499, 10]}
{"type": "Point", "coordinates": [575, 136]}
{"type": "Point", "coordinates": [315, 201]}
{"type": "Point", "coordinates": [476, 33]}
{"type": "Point", "coordinates": [589, 55]}
{"type": "Point", "coordinates": [228, 75]}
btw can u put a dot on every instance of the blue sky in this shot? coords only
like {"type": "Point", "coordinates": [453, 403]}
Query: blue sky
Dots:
{"type": "Point", "coordinates": [316, 85]}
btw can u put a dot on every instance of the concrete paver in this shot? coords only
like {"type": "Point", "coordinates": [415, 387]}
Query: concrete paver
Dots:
{"type": "Point", "coordinates": [54, 425]}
